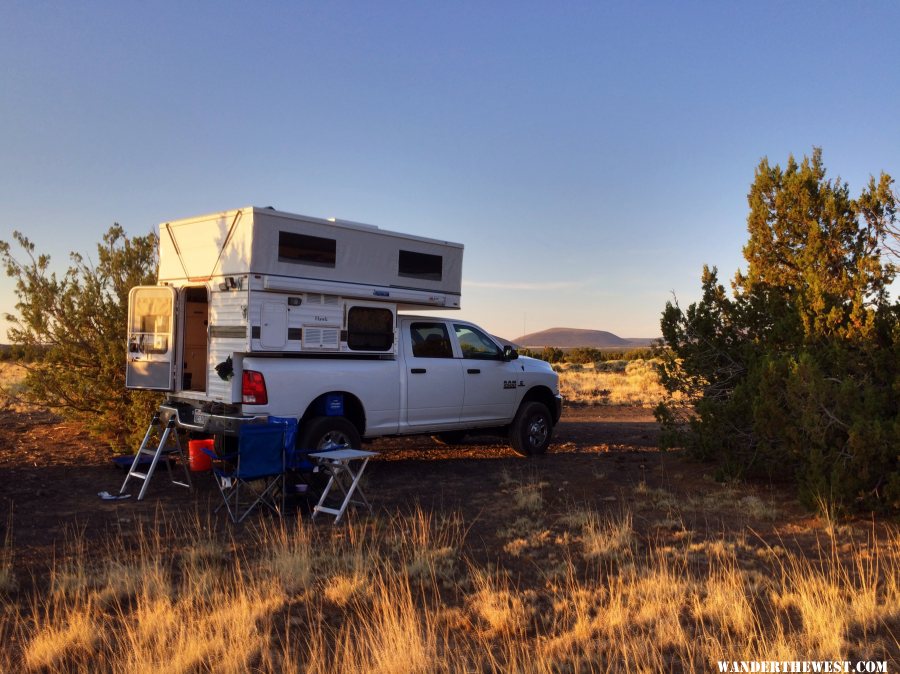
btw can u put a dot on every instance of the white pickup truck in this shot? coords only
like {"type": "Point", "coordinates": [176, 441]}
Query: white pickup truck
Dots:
{"type": "Point", "coordinates": [449, 378]}
{"type": "Point", "coordinates": [260, 313]}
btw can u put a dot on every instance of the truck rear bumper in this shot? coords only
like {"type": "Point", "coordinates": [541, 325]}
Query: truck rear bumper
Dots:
{"type": "Point", "coordinates": [194, 419]}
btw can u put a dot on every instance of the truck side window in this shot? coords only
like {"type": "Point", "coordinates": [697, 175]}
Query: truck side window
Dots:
{"type": "Point", "coordinates": [370, 329]}
{"type": "Point", "coordinates": [430, 340]}
{"type": "Point", "coordinates": [475, 344]}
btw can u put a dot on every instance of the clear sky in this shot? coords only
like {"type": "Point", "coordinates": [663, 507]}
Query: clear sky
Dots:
{"type": "Point", "coordinates": [591, 156]}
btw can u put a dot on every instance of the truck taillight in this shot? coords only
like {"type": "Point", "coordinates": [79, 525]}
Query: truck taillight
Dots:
{"type": "Point", "coordinates": [253, 388]}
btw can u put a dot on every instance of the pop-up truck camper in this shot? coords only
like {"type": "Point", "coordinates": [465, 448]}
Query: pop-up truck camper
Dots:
{"type": "Point", "coordinates": [258, 312]}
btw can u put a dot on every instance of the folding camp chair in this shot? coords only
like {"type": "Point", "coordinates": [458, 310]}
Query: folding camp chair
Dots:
{"type": "Point", "coordinates": [297, 464]}
{"type": "Point", "coordinates": [259, 458]}
{"type": "Point", "coordinates": [294, 459]}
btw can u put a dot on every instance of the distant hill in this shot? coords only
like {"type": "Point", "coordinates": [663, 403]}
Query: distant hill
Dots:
{"type": "Point", "coordinates": [570, 338]}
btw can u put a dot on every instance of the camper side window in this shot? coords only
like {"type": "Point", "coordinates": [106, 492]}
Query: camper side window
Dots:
{"type": "Point", "coordinates": [370, 329]}
{"type": "Point", "coordinates": [420, 265]}
{"type": "Point", "coordinates": [314, 250]}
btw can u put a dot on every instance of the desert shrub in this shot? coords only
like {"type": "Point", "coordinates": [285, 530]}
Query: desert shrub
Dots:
{"type": "Point", "coordinates": [794, 374]}
{"type": "Point", "coordinates": [71, 327]}
{"type": "Point", "coordinates": [586, 355]}
{"type": "Point", "coordinates": [583, 355]}
{"type": "Point", "coordinates": [551, 354]}
{"type": "Point", "coordinates": [612, 366]}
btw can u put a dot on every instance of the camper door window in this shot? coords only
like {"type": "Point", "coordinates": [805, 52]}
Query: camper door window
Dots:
{"type": "Point", "coordinates": [151, 314]}
{"type": "Point", "coordinates": [306, 249]}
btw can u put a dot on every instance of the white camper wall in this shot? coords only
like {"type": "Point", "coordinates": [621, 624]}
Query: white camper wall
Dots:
{"type": "Point", "coordinates": [363, 255]}
{"type": "Point", "coordinates": [229, 335]}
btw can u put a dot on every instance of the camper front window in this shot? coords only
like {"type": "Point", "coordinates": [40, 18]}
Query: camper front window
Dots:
{"type": "Point", "coordinates": [306, 249]}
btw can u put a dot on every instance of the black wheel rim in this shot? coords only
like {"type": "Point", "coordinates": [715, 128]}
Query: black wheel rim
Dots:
{"type": "Point", "coordinates": [537, 430]}
{"type": "Point", "coordinates": [334, 440]}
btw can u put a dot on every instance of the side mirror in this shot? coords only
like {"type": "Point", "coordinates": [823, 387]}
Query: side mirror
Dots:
{"type": "Point", "coordinates": [509, 353]}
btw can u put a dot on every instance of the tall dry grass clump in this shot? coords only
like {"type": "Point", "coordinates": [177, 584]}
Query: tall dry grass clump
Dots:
{"type": "Point", "coordinates": [378, 596]}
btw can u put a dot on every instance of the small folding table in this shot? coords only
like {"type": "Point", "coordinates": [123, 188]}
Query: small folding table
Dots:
{"type": "Point", "coordinates": [339, 465]}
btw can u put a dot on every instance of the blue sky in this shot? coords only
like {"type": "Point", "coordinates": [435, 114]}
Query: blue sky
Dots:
{"type": "Point", "coordinates": [591, 156]}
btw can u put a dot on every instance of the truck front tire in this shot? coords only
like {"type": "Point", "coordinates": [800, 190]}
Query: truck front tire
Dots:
{"type": "Point", "coordinates": [531, 429]}
{"type": "Point", "coordinates": [323, 433]}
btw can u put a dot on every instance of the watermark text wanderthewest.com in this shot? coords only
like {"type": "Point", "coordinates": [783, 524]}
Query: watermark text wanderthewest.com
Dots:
{"type": "Point", "coordinates": [800, 666]}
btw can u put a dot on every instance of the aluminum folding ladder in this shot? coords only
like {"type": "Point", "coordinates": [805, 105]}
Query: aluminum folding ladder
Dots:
{"type": "Point", "coordinates": [168, 445]}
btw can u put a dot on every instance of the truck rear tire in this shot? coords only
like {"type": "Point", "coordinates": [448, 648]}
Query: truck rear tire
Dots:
{"type": "Point", "coordinates": [323, 433]}
{"type": "Point", "coordinates": [531, 429]}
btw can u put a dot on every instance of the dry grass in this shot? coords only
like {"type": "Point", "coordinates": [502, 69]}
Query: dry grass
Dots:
{"type": "Point", "coordinates": [495, 605]}
{"type": "Point", "coordinates": [12, 384]}
{"type": "Point", "coordinates": [62, 635]}
{"type": "Point", "coordinates": [607, 537]}
{"type": "Point", "coordinates": [7, 573]}
{"type": "Point", "coordinates": [399, 594]}
{"type": "Point", "coordinates": [615, 382]}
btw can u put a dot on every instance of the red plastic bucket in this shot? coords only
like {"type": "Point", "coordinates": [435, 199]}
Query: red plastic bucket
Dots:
{"type": "Point", "coordinates": [199, 460]}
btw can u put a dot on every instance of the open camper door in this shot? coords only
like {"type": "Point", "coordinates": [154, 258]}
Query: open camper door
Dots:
{"type": "Point", "coordinates": [151, 343]}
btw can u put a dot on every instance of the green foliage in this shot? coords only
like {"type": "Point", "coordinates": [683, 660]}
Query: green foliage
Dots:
{"type": "Point", "coordinates": [72, 328]}
{"type": "Point", "coordinates": [796, 373]}
{"type": "Point", "coordinates": [551, 354]}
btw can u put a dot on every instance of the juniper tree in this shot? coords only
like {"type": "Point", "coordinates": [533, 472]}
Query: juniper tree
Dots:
{"type": "Point", "coordinates": [74, 325]}
{"type": "Point", "coordinates": [796, 371]}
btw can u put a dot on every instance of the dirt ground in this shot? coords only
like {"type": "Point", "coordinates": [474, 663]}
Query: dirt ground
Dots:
{"type": "Point", "coordinates": [601, 458]}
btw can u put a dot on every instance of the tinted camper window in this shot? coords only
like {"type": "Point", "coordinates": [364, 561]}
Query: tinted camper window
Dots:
{"type": "Point", "coordinates": [421, 265]}
{"type": "Point", "coordinates": [370, 329]}
{"type": "Point", "coordinates": [314, 250]}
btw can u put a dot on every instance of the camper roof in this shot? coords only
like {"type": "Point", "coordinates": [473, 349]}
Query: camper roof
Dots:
{"type": "Point", "coordinates": [298, 250]}
{"type": "Point", "coordinates": [333, 222]}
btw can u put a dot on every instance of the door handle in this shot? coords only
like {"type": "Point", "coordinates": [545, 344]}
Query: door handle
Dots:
{"type": "Point", "coordinates": [418, 370]}
{"type": "Point", "coordinates": [473, 371]}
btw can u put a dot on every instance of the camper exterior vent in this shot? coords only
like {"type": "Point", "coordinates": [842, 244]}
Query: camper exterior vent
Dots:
{"type": "Point", "coordinates": [323, 300]}
{"type": "Point", "coordinates": [315, 337]}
